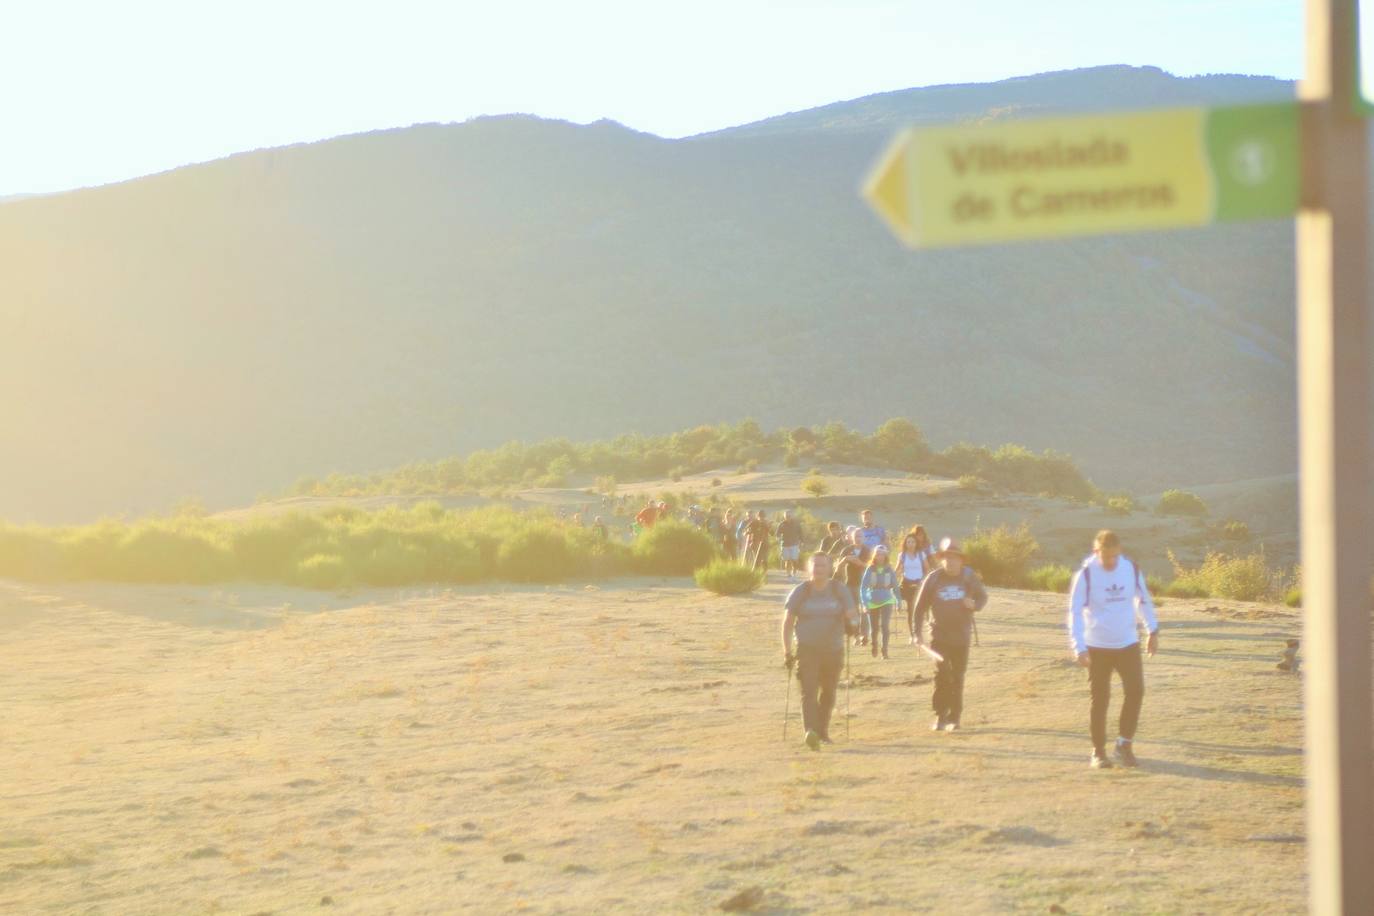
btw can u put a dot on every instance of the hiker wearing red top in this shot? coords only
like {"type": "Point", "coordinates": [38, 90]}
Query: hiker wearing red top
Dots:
{"type": "Point", "coordinates": [648, 515]}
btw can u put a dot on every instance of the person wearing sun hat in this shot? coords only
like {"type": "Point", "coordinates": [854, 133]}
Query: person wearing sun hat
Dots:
{"type": "Point", "coordinates": [952, 593]}
{"type": "Point", "coordinates": [878, 591]}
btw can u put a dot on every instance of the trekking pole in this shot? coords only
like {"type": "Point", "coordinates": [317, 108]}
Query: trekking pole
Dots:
{"type": "Point", "coordinates": [846, 691]}
{"type": "Point", "coordinates": [975, 632]}
{"type": "Point", "coordinates": [787, 704]}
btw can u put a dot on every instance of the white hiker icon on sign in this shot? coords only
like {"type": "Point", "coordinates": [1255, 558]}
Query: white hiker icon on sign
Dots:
{"type": "Point", "coordinates": [1252, 162]}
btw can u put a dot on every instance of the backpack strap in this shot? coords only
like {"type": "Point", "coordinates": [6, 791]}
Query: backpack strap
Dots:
{"type": "Point", "coordinates": [1138, 575]}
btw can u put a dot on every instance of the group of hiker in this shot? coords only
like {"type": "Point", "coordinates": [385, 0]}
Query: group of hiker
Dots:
{"type": "Point", "coordinates": [853, 586]}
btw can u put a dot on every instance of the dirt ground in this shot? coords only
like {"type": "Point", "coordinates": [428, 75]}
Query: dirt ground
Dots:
{"type": "Point", "coordinates": [616, 749]}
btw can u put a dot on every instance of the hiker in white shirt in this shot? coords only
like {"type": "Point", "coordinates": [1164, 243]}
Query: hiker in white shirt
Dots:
{"type": "Point", "coordinates": [913, 564]}
{"type": "Point", "coordinates": [1108, 594]}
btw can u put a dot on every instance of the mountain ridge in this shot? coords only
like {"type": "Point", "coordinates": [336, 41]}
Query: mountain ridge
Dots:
{"type": "Point", "coordinates": [352, 304]}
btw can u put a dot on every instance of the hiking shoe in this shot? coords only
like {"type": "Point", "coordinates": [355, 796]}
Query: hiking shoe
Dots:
{"type": "Point", "coordinates": [938, 725]}
{"type": "Point", "coordinates": [1099, 761]}
{"type": "Point", "coordinates": [951, 726]}
{"type": "Point", "coordinates": [813, 741]}
{"type": "Point", "coordinates": [885, 656]}
{"type": "Point", "coordinates": [825, 739]}
{"type": "Point", "coordinates": [1124, 755]}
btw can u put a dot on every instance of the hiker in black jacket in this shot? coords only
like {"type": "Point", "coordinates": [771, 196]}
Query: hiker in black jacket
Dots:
{"type": "Point", "coordinates": [952, 593]}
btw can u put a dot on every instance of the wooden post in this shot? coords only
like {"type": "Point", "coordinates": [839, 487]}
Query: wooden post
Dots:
{"type": "Point", "coordinates": [1334, 402]}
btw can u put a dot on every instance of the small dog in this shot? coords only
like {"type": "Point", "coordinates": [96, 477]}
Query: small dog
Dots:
{"type": "Point", "coordinates": [1289, 660]}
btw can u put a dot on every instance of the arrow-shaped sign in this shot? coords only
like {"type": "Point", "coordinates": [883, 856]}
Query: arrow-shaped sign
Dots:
{"type": "Point", "coordinates": [1054, 177]}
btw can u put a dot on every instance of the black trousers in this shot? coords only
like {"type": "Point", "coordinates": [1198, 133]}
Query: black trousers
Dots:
{"type": "Point", "coordinates": [948, 699]}
{"type": "Point", "coordinates": [1102, 664]}
{"type": "Point", "coordinates": [907, 591]}
{"type": "Point", "coordinates": [818, 672]}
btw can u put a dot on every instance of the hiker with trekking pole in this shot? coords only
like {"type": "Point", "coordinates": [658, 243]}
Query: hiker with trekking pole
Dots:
{"type": "Point", "coordinates": [819, 613]}
{"type": "Point", "coordinates": [1109, 593]}
{"type": "Point", "coordinates": [952, 593]}
{"type": "Point", "coordinates": [757, 542]}
{"type": "Point", "coordinates": [850, 565]}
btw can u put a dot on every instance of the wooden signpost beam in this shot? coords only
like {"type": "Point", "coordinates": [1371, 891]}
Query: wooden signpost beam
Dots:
{"type": "Point", "coordinates": [1334, 405]}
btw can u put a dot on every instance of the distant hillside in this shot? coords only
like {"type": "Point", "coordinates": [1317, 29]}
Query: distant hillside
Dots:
{"type": "Point", "coordinates": [223, 329]}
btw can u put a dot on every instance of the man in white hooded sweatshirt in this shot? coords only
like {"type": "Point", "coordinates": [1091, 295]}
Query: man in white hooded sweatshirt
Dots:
{"type": "Point", "coordinates": [1108, 594]}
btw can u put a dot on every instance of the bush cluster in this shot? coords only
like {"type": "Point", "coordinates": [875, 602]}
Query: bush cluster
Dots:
{"type": "Point", "coordinates": [1053, 577]}
{"type": "Point", "coordinates": [1002, 555]}
{"type": "Point", "coordinates": [726, 577]}
{"type": "Point", "coordinates": [335, 548]}
{"type": "Point", "coordinates": [1239, 578]}
{"type": "Point", "coordinates": [897, 444]}
{"type": "Point", "coordinates": [673, 548]}
{"type": "Point", "coordinates": [1181, 502]}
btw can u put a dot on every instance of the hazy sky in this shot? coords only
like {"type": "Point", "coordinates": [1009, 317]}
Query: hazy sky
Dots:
{"type": "Point", "coordinates": [103, 90]}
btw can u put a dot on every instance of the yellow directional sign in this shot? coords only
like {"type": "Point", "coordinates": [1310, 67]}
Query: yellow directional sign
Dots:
{"type": "Point", "coordinates": [1054, 177]}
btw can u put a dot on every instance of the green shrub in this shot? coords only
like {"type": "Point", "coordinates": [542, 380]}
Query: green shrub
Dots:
{"type": "Point", "coordinates": [1181, 502]}
{"type": "Point", "coordinates": [392, 562]}
{"type": "Point", "coordinates": [1184, 588]}
{"type": "Point", "coordinates": [1247, 578]}
{"type": "Point", "coordinates": [1054, 577]}
{"type": "Point", "coordinates": [715, 481]}
{"type": "Point", "coordinates": [537, 552]}
{"type": "Point", "coordinates": [1002, 555]}
{"type": "Point", "coordinates": [1232, 530]}
{"type": "Point", "coordinates": [1293, 597]}
{"type": "Point", "coordinates": [673, 548]}
{"type": "Point", "coordinates": [1120, 505]}
{"type": "Point", "coordinates": [727, 577]}
{"type": "Point", "coordinates": [974, 484]}
{"type": "Point", "coordinates": [751, 465]}
{"type": "Point", "coordinates": [321, 571]}
{"type": "Point", "coordinates": [815, 486]}
{"type": "Point", "coordinates": [677, 473]}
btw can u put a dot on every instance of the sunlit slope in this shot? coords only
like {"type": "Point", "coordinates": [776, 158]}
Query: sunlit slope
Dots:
{"type": "Point", "coordinates": [358, 303]}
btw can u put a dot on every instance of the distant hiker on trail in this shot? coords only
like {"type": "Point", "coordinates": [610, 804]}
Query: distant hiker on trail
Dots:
{"type": "Point", "coordinates": [599, 526]}
{"type": "Point", "coordinates": [834, 542]}
{"type": "Point", "coordinates": [646, 517]}
{"type": "Point", "coordinates": [742, 535]}
{"type": "Point", "coordinates": [952, 593]}
{"type": "Point", "coordinates": [819, 612]}
{"type": "Point", "coordinates": [756, 541]}
{"type": "Point", "coordinates": [914, 563]}
{"type": "Point", "coordinates": [878, 592]}
{"type": "Point", "coordinates": [1108, 594]}
{"type": "Point", "coordinates": [789, 533]}
{"type": "Point", "coordinates": [729, 542]}
{"type": "Point", "coordinates": [849, 570]}
{"type": "Point", "coordinates": [872, 534]}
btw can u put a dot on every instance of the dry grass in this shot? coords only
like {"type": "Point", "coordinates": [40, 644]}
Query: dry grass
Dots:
{"type": "Point", "coordinates": [400, 754]}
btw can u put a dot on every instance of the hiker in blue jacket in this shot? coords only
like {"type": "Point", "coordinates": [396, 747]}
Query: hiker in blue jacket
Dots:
{"type": "Point", "coordinates": [878, 594]}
